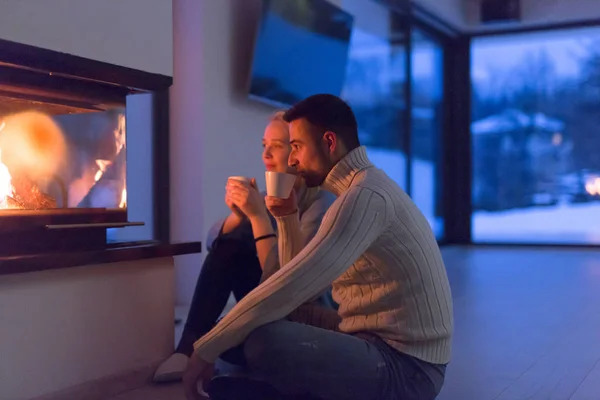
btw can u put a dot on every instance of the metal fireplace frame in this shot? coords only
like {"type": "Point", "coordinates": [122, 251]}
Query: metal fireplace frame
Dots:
{"type": "Point", "coordinates": [33, 73]}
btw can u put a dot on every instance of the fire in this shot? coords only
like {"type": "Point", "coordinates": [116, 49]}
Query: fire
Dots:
{"type": "Point", "coordinates": [120, 139]}
{"type": "Point", "coordinates": [32, 141]}
{"type": "Point", "coordinates": [120, 133]}
{"type": "Point", "coordinates": [33, 149]}
{"type": "Point", "coordinates": [593, 186]}
{"type": "Point", "coordinates": [103, 165]}
{"type": "Point", "coordinates": [123, 203]}
{"type": "Point", "coordinates": [6, 187]}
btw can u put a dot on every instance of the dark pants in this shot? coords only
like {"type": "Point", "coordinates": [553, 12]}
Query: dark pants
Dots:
{"type": "Point", "coordinates": [231, 266]}
{"type": "Point", "coordinates": [302, 361]}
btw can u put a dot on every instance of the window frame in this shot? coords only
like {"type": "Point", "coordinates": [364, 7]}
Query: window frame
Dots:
{"type": "Point", "coordinates": [465, 224]}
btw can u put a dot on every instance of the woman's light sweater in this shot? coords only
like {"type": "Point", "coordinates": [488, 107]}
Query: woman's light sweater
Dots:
{"type": "Point", "coordinates": [379, 252]}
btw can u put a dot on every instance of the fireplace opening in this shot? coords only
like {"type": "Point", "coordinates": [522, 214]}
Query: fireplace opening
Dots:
{"type": "Point", "coordinates": [63, 175]}
{"type": "Point", "coordinates": [58, 157]}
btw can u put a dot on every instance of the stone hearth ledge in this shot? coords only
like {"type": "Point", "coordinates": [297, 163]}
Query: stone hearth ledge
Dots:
{"type": "Point", "coordinates": [113, 253]}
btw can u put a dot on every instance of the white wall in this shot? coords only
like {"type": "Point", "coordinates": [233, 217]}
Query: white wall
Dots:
{"type": "Point", "coordinates": [464, 14]}
{"type": "Point", "coordinates": [369, 16]}
{"type": "Point", "coordinates": [215, 129]}
{"type": "Point", "coordinates": [65, 327]}
{"type": "Point", "coordinates": [451, 11]}
{"type": "Point", "coordinates": [536, 12]}
{"type": "Point", "coordinates": [131, 33]}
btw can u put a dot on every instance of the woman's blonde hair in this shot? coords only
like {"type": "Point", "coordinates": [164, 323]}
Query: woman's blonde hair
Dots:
{"type": "Point", "coordinates": [277, 116]}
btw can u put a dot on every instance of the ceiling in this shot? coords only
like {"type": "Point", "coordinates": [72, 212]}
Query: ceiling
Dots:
{"type": "Point", "coordinates": [464, 14]}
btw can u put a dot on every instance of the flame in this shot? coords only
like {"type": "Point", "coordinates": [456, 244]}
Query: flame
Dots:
{"type": "Point", "coordinates": [103, 165]}
{"type": "Point", "coordinates": [120, 133]}
{"type": "Point", "coordinates": [41, 148]}
{"type": "Point", "coordinates": [593, 187]}
{"type": "Point", "coordinates": [120, 140]}
{"type": "Point", "coordinates": [6, 187]}
{"type": "Point", "coordinates": [123, 203]}
{"type": "Point", "coordinates": [32, 141]}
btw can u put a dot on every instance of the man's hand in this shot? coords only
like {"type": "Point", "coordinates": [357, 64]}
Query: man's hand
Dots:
{"type": "Point", "coordinates": [197, 371]}
{"type": "Point", "coordinates": [282, 207]}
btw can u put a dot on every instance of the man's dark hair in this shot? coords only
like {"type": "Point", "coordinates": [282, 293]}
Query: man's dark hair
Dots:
{"type": "Point", "coordinates": [326, 112]}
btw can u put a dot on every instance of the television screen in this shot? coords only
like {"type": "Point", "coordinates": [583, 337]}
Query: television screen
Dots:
{"type": "Point", "coordinates": [301, 49]}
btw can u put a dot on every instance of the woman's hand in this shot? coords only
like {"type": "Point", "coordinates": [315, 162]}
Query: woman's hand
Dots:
{"type": "Point", "coordinates": [246, 197]}
{"type": "Point", "coordinates": [235, 218]}
{"type": "Point", "coordinates": [234, 210]}
{"type": "Point", "coordinates": [282, 207]}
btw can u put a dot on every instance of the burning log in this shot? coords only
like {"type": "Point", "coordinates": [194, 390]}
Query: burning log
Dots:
{"type": "Point", "coordinates": [33, 148]}
{"type": "Point", "coordinates": [11, 204]}
{"type": "Point", "coordinates": [29, 196]}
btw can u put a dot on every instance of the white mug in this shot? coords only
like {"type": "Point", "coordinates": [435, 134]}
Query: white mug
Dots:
{"type": "Point", "coordinates": [279, 184]}
{"type": "Point", "coordinates": [242, 179]}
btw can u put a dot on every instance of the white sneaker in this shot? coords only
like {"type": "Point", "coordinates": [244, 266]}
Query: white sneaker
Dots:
{"type": "Point", "coordinates": [172, 369]}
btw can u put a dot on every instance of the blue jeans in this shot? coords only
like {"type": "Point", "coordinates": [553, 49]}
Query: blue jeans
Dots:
{"type": "Point", "coordinates": [302, 360]}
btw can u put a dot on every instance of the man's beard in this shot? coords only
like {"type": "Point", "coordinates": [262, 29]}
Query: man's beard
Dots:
{"type": "Point", "coordinates": [312, 180]}
{"type": "Point", "coordinates": [317, 177]}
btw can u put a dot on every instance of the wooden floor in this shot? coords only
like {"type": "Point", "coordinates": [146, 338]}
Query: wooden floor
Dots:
{"type": "Point", "coordinates": [527, 326]}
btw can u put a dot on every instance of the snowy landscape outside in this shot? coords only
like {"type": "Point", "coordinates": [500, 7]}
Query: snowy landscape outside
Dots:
{"type": "Point", "coordinates": [536, 151]}
{"type": "Point", "coordinates": [375, 87]}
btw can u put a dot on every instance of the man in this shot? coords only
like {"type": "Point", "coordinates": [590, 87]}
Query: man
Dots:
{"type": "Point", "coordinates": [392, 337]}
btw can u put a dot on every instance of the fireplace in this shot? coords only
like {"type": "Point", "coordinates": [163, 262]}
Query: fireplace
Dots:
{"type": "Point", "coordinates": [63, 148]}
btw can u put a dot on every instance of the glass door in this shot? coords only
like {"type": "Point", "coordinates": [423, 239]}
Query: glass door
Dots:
{"type": "Point", "coordinates": [426, 115]}
{"type": "Point", "coordinates": [394, 83]}
{"type": "Point", "coordinates": [376, 84]}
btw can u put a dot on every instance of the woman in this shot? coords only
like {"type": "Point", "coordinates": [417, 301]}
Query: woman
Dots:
{"type": "Point", "coordinates": [245, 250]}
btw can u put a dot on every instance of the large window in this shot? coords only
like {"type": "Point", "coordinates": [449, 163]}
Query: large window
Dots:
{"type": "Point", "coordinates": [402, 136]}
{"type": "Point", "coordinates": [375, 85]}
{"type": "Point", "coordinates": [536, 148]}
{"type": "Point", "coordinates": [426, 125]}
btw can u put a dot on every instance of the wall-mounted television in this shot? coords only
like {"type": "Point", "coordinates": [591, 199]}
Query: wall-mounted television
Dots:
{"type": "Point", "coordinates": [301, 49]}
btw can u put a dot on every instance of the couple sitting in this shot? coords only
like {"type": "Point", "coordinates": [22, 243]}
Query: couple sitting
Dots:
{"type": "Point", "coordinates": [236, 263]}
{"type": "Point", "coordinates": [390, 338]}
